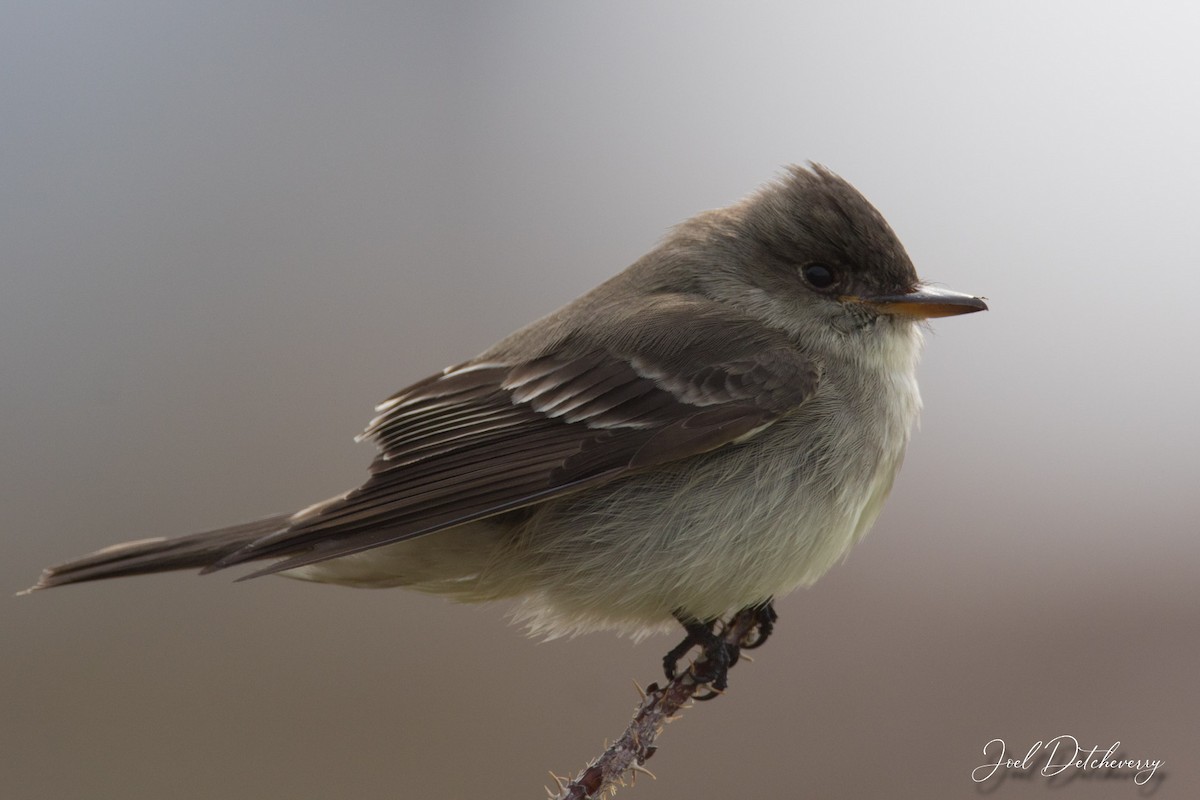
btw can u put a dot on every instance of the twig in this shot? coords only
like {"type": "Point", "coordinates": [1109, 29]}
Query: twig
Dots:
{"type": "Point", "coordinates": [659, 706]}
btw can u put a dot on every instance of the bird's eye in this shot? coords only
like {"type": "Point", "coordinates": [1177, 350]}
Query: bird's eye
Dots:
{"type": "Point", "coordinates": [819, 276]}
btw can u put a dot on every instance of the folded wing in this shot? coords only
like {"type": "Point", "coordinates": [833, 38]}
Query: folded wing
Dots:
{"type": "Point", "coordinates": [490, 436]}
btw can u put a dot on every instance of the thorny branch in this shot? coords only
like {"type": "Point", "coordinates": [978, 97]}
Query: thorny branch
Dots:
{"type": "Point", "coordinates": [659, 706]}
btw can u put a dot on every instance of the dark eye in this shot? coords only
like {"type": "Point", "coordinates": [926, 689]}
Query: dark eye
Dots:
{"type": "Point", "coordinates": [819, 276]}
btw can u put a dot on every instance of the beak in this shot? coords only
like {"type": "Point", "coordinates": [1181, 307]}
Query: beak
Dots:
{"type": "Point", "coordinates": [925, 302]}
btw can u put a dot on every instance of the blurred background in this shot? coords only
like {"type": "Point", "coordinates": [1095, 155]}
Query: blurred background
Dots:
{"type": "Point", "coordinates": [229, 228]}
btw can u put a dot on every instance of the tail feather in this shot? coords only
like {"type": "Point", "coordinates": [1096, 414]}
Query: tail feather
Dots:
{"type": "Point", "coordinates": [160, 555]}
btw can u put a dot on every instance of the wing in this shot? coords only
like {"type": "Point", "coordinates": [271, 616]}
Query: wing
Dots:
{"type": "Point", "coordinates": [493, 435]}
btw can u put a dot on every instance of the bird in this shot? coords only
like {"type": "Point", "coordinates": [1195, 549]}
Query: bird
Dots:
{"type": "Point", "coordinates": [708, 430]}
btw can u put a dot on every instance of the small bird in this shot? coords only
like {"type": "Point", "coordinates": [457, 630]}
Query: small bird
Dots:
{"type": "Point", "coordinates": [706, 431]}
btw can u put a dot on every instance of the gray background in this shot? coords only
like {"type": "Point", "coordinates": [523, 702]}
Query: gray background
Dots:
{"type": "Point", "coordinates": [228, 228]}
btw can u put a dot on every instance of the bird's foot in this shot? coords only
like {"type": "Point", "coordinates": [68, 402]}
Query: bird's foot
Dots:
{"type": "Point", "coordinates": [717, 655]}
{"type": "Point", "coordinates": [764, 624]}
{"type": "Point", "coordinates": [711, 667]}
{"type": "Point", "coordinates": [698, 633]}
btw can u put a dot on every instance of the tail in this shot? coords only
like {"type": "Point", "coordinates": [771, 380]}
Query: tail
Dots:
{"type": "Point", "coordinates": [160, 555]}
